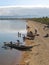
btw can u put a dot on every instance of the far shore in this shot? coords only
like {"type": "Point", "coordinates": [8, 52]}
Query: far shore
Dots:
{"type": "Point", "coordinates": [44, 20]}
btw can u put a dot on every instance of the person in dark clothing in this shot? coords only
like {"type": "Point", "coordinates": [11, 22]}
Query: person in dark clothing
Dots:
{"type": "Point", "coordinates": [18, 42]}
{"type": "Point", "coordinates": [11, 42]}
{"type": "Point", "coordinates": [27, 27]}
{"type": "Point", "coordinates": [18, 34]}
{"type": "Point", "coordinates": [24, 38]}
{"type": "Point", "coordinates": [35, 31]}
{"type": "Point", "coordinates": [31, 33]}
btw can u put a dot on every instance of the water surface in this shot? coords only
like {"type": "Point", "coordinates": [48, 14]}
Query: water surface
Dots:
{"type": "Point", "coordinates": [9, 32]}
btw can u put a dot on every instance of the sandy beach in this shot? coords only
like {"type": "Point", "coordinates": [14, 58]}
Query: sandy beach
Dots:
{"type": "Point", "coordinates": [39, 55]}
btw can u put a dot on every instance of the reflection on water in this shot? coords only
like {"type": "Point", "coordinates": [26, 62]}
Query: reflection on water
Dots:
{"type": "Point", "coordinates": [9, 32]}
{"type": "Point", "coordinates": [12, 26]}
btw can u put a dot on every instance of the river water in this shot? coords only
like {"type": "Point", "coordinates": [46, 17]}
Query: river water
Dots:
{"type": "Point", "coordinates": [9, 32]}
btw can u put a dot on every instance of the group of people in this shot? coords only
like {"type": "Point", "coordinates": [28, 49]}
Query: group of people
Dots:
{"type": "Point", "coordinates": [17, 43]}
{"type": "Point", "coordinates": [19, 34]}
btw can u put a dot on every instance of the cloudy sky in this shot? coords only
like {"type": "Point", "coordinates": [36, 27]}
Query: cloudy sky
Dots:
{"type": "Point", "coordinates": [24, 2]}
{"type": "Point", "coordinates": [24, 7]}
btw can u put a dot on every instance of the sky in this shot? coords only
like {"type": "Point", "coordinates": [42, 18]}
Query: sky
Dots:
{"type": "Point", "coordinates": [24, 3]}
{"type": "Point", "coordinates": [11, 7]}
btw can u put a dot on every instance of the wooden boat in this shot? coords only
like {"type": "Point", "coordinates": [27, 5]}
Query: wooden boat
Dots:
{"type": "Point", "coordinates": [21, 47]}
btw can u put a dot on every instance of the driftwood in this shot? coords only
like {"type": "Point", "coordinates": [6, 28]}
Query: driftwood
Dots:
{"type": "Point", "coordinates": [21, 47]}
{"type": "Point", "coordinates": [47, 35]}
{"type": "Point", "coordinates": [47, 26]}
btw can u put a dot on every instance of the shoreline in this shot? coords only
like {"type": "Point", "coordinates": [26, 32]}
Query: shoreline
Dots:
{"type": "Point", "coordinates": [39, 55]}
{"type": "Point", "coordinates": [25, 59]}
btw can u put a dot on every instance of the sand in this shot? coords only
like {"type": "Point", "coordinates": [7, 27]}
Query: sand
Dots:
{"type": "Point", "coordinates": [39, 55]}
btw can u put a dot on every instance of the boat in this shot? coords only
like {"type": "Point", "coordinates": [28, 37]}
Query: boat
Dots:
{"type": "Point", "coordinates": [21, 47]}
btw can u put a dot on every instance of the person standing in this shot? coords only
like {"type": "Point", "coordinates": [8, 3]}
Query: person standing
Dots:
{"type": "Point", "coordinates": [35, 31]}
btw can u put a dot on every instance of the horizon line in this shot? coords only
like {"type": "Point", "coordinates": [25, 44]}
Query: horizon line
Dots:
{"type": "Point", "coordinates": [26, 6]}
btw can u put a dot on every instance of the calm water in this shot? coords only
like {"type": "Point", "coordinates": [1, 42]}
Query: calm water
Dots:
{"type": "Point", "coordinates": [9, 32]}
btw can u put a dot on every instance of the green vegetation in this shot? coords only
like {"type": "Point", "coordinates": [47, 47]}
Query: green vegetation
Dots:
{"type": "Point", "coordinates": [44, 20]}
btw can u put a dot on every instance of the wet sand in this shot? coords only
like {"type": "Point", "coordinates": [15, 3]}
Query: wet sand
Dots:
{"type": "Point", "coordinates": [39, 55]}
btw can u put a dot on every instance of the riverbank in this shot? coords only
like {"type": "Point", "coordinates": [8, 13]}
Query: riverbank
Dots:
{"type": "Point", "coordinates": [39, 55]}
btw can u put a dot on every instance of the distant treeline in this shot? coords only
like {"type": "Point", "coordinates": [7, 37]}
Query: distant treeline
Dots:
{"type": "Point", "coordinates": [12, 18]}
{"type": "Point", "coordinates": [44, 20]}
